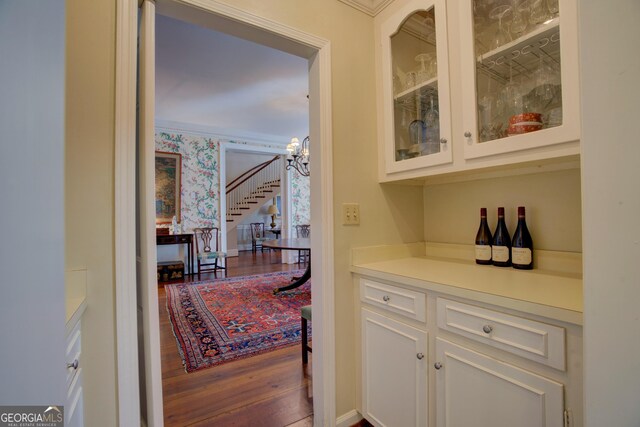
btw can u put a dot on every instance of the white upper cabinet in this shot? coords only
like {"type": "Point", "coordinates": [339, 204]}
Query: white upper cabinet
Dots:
{"type": "Point", "coordinates": [520, 75]}
{"type": "Point", "coordinates": [415, 85]}
{"type": "Point", "coordinates": [473, 84]}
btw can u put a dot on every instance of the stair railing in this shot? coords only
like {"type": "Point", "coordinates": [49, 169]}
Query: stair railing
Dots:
{"type": "Point", "coordinates": [252, 185]}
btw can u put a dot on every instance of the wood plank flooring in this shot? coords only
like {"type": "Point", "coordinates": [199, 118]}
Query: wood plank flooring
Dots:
{"type": "Point", "coordinates": [270, 390]}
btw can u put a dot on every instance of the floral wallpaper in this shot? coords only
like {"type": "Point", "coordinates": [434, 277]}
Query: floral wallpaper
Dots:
{"type": "Point", "coordinates": [200, 195]}
{"type": "Point", "coordinates": [300, 199]}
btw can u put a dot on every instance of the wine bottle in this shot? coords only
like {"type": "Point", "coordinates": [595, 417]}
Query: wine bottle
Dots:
{"type": "Point", "coordinates": [483, 240]}
{"type": "Point", "coordinates": [522, 244]}
{"type": "Point", "coordinates": [501, 250]}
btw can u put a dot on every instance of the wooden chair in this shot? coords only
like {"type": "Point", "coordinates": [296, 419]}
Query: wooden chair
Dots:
{"type": "Point", "coordinates": [208, 249]}
{"type": "Point", "coordinates": [257, 236]}
{"type": "Point", "coordinates": [305, 316]}
{"type": "Point", "coordinates": [303, 230]}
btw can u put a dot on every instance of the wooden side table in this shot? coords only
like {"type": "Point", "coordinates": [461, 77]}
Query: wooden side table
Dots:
{"type": "Point", "coordinates": [178, 239]}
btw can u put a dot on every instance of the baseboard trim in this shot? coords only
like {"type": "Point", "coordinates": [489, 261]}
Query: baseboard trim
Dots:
{"type": "Point", "coordinates": [350, 418]}
{"type": "Point", "coordinates": [232, 252]}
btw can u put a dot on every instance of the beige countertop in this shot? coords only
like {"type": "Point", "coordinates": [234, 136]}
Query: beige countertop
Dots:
{"type": "Point", "coordinates": [553, 294]}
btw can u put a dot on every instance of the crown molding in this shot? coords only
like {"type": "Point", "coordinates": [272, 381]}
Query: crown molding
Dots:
{"type": "Point", "coordinates": [221, 133]}
{"type": "Point", "coordinates": [370, 7]}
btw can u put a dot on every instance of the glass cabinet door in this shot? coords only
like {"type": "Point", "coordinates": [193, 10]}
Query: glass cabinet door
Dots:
{"type": "Point", "coordinates": [417, 112]}
{"type": "Point", "coordinates": [518, 71]}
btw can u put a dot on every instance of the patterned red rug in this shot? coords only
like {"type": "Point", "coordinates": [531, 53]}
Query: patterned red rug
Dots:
{"type": "Point", "coordinates": [233, 318]}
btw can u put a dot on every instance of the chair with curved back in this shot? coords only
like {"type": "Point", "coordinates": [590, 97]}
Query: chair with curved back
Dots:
{"type": "Point", "coordinates": [208, 249]}
{"type": "Point", "coordinates": [257, 236]}
{"type": "Point", "coordinates": [303, 231]}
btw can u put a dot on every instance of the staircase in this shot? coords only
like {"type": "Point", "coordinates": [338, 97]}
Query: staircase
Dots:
{"type": "Point", "coordinates": [249, 191]}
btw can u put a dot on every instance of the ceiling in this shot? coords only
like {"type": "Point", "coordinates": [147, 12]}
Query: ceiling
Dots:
{"type": "Point", "coordinates": [228, 85]}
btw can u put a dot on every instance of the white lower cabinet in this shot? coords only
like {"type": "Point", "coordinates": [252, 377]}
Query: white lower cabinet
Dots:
{"type": "Point", "coordinates": [485, 366]}
{"type": "Point", "coordinates": [394, 372]}
{"type": "Point", "coordinates": [473, 389]}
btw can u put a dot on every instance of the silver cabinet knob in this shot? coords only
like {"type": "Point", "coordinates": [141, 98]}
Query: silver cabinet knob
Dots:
{"type": "Point", "coordinates": [443, 140]}
{"type": "Point", "coordinates": [437, 365]}
{"type": "Point", "coordinates": [487, 329]}
{"type": "Point", "coordinates": [386, 298]}
{"type": "Point", "coordinates": [467, 134]}
{"type": "Point", "coordinates": [420, 356]}
{"type": "Point", "coordinates": [73, 365]}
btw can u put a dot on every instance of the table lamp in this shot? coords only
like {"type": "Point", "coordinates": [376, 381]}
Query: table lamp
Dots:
{"type": "Point", "coordinates": [273, 211]}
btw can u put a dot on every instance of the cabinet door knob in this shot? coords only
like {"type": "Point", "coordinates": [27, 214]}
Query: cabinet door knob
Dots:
{"type": "Point", "coordinates": [73, 365]}
{"type": "Point", "coordinates": [467, 134]}
{"type": "Point", "coordinates": [443, 140]}
{"type": "Point", "coordinates": [420, 356]}
{"type": "Point", "coordinates": [386, 298]}
{"type": "Point", "coordinates": [437, 365]}
{"type": "Point", "coordinates": [487, 329]}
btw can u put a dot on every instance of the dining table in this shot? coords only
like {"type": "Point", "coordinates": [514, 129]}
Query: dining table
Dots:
{"type": "Point", "coordinates": [296, 244]}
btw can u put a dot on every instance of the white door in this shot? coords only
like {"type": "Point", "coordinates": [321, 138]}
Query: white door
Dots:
{"type": "Point", "coordinates": [476, 390]}
{"type": "Point", "coordinates": [394, 374]}
{"type": "Point", "coordinates": [148, 317]}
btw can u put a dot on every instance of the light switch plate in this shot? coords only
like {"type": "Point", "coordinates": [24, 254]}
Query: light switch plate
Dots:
{"type": "Point", "coordinates": [350, 214]}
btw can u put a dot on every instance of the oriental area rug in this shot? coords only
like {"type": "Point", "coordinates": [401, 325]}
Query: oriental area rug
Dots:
{"type": "Point", "coordinates": [233, 318]}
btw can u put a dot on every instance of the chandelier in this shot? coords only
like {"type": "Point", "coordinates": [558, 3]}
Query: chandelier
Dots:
{"type": "Point", "coordinates": [298, 157]}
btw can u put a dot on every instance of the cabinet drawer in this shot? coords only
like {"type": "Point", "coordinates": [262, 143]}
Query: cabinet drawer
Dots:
{"type": "Point", "coordinates": [72, 353]}
{"type": "Point", "coordinates": [532, 340]}
{"type": "Point", "coordinates": [408, 303]}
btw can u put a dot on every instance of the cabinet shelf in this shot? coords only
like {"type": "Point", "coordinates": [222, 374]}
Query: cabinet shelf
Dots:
{"type": "Point", "coordinates": [522, 56]}
{"type": "Point", "coordinates": [424, 88]}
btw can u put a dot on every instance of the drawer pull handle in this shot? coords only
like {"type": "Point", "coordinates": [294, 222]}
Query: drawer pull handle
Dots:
{"type": "Point", "coordinates": [420, 356]}
{"type": "Point", "coordinates": [487, 329]}
{"type": "Point", "coordinates": [386, 298]}
{"type": "Point", "coordinates": [437, 365]}
{"type": "Point", "coordinates": [73, 365]}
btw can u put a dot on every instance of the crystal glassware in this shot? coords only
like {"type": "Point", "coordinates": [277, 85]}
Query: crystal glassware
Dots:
{"type": "Point", "coordinates": [539, 12]}
{"type": "Point", "coordinates": [519, 18]}
{"type": "Point", "coordinates": [426, 70]}
{"type": "Point", "coordinates": [554, 7]}
{"type": "Point", "coordinates": [501, 36]}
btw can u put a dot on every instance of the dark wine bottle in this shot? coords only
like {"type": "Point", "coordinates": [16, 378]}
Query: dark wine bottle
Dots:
{"type": "Point", "coordinates": [522, 244]}
{"type": "Point", "coordinates": [483, 240]}
{"type": "Point", "coordinates": [501, 250]}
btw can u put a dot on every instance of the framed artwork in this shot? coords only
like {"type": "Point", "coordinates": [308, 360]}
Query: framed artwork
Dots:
{"type": "Point", "coordinates": [168, 186]}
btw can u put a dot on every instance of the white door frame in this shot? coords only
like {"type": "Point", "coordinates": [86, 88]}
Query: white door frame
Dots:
{"type": "Point", "coordinates": [252, 27]}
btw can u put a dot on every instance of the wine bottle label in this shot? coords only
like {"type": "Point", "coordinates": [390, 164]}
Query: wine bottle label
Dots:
{"type": "Point", "coordinates": [501, 253]}
{"type": "Point", "coordinates": [521, 256]}
{"type": "Point", "coordinates": [483, 252]}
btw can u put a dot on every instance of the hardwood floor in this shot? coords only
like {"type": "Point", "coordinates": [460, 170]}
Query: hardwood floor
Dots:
{"type": "Point", "coordinates": [270, 390]}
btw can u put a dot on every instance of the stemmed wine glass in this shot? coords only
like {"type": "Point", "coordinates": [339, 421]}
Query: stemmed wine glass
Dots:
{"type": "Point", "coordinates": [544, 89]}
{"type": "Point", "coordinates": [539, 12]}
{"type": "Point", "coordinates": [427, 69]}
{"type": "Point", "coordinates": [486, 114]}
{"type": "Point", "coordinates": [511, 96]}
{"type": "Point", "coordinates": [501, 36]}
{"type": "Point", "coordinates": [432, 123]}
{"type": "Point", "coordinates": [554, 7]}
{"type": "Point", "coordinates": [519, 21]}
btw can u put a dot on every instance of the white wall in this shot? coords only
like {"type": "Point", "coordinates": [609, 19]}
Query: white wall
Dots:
{"type": "Point", "coordinates": [240, 162]}
{"type": "Point", "coordinates": [89, 193]}
{"type": "Point", "coordinates": [32, 313]}
{"type": "Point", "coordinates": [610, 67]}
{"type": "Point", "coordinates": [552, 201]}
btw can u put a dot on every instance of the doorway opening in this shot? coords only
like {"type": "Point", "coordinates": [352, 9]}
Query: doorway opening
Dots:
{"type": "Point", "coordinates": [316, 51]}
